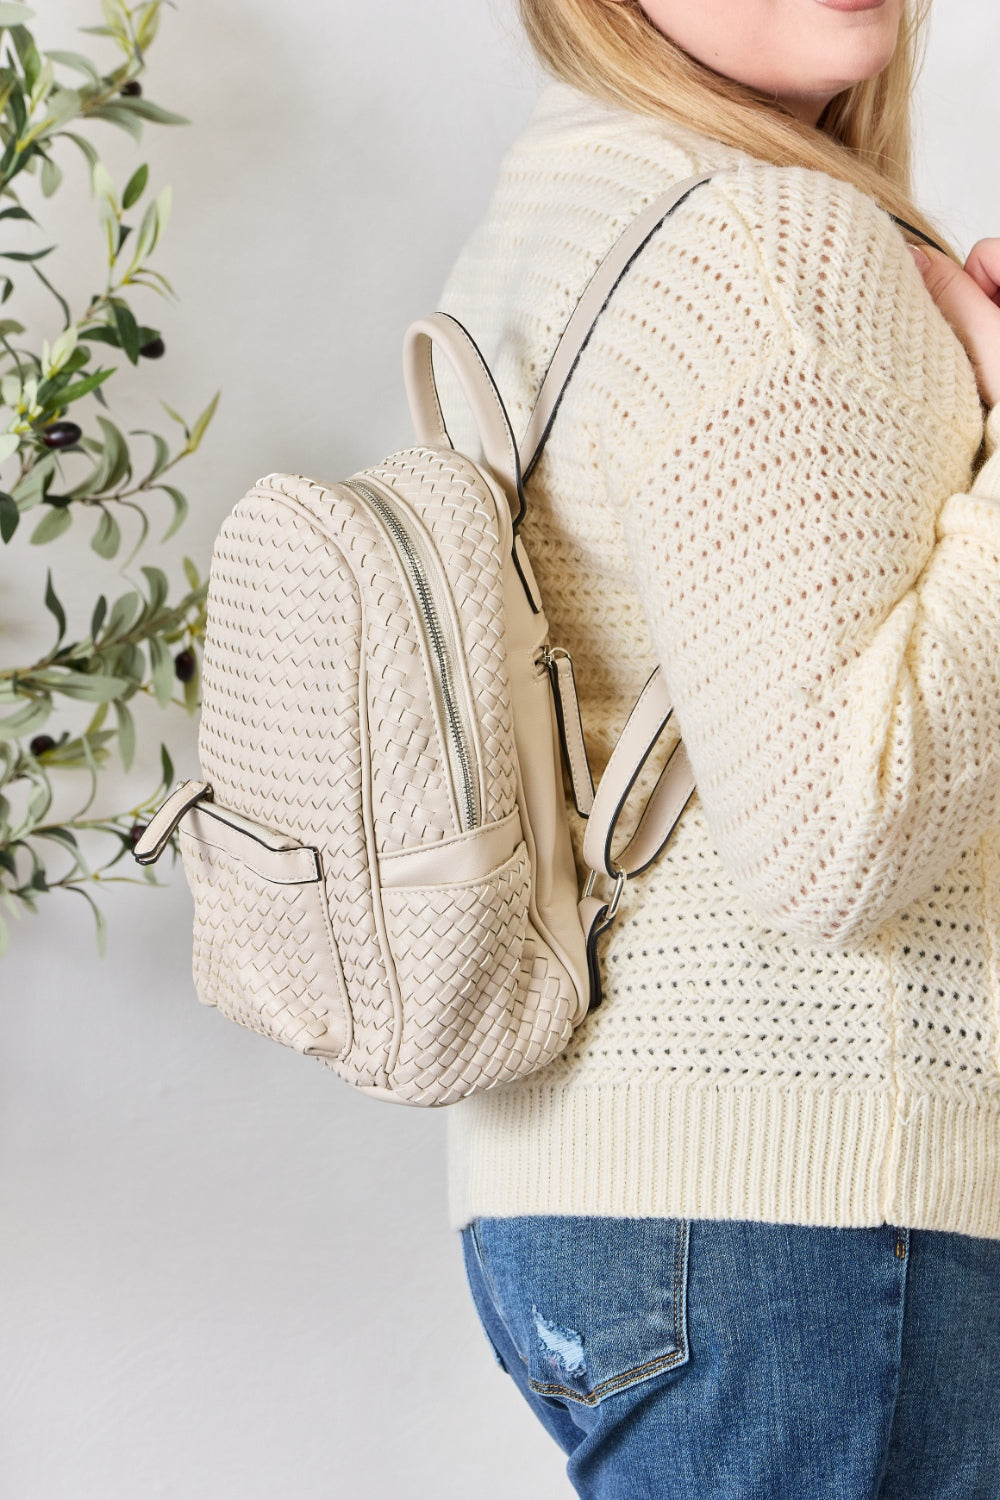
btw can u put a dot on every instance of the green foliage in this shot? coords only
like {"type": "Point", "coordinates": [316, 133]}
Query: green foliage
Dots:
{"type": "Point", "coordinates": [62, 458]}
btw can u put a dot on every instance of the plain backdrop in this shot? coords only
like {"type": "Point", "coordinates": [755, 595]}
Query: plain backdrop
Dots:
{"type": "Point", "coordinates": [224, 1276]}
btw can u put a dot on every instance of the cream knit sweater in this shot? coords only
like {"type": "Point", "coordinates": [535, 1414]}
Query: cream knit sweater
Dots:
{"type": "Point", "coordinates": [769, 475]}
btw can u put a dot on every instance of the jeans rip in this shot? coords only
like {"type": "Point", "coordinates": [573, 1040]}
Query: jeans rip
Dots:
{"type": "Point", "coordinates": [581, 1331]}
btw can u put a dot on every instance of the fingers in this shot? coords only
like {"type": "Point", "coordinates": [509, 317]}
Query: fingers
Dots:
{"type": "Point", "coordinates": [983, 265]}
{"type": "Point", "coordinates": [970, 310]}
{"type": "Point", "coordinates": [957, 295]}
{"type": "Point", "coordinates": [947, 282]}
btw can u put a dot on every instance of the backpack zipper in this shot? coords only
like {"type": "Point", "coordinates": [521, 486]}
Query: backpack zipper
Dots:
{"type": "Point", "coordinates": [440, 637]}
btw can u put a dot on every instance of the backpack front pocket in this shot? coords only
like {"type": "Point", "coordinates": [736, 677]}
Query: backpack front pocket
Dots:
{"type": "Point", "coordinates": [264, 951]}
{"type": "Point", "coordinates": [481, 1003]}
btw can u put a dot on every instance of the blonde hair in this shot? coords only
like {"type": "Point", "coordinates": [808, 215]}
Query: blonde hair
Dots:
{"type": "Point", "coordinates": [864, 135]}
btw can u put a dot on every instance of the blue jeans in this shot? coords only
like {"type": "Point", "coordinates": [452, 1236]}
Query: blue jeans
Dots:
{"type": "Point", "coordinates": [745, 1361]}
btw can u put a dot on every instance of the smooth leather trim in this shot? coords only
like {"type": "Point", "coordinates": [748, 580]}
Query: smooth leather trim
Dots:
{"type": "Point", "coordinates": [646, 723]}
{"type": "Point", "coordinates": [675, 786]}
{"type": "Point", "coordinates": [593, 919]}
{"type": "Point", "coordinates": [571, 732]}
{"type": "Point", "coordinates": [457, 861]}
{"type": "Point", "coordinates": [295, 864]}
{"type": "Point", "coordinates": [479, 389]}
{"type": "Point", "coordinates": [161, 825]}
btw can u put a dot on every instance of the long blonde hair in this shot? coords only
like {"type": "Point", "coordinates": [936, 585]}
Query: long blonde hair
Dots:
{"type": "Point", "coordinates": [864, 135]}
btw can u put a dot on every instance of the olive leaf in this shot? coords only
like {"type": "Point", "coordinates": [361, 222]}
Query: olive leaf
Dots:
{"type": "Point", "coordinates": [15, 15]}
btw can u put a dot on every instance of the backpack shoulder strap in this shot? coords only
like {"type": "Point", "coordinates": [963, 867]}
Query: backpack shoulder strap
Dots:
{"type": "Point", "coordinates": [596, 296]}
{"type": "Point", "coordinates": [652, 712]}
{"type": "Point", "coordinates": [512, 463]}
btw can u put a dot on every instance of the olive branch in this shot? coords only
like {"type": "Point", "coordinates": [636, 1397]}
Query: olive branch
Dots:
{"type": "Point", "coordinates": [142, 643]}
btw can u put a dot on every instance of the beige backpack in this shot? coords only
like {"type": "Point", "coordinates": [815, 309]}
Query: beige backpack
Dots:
{"type": "Point", "coordinates": [379, 851]}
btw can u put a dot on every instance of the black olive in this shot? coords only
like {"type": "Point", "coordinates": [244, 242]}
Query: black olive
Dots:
{"type": "Point", "coordinates": [154, 349]}
{"type": "Point", "coordinates": [133, 87]}
{"type": "Point", "coordinates": [136, 832]}
{"type": "Point", "coordinates": [41, 743]}
{"type": "Point", "coordinates": [61, 434]}
{"type": "Point", "coordinates": [184, 665]}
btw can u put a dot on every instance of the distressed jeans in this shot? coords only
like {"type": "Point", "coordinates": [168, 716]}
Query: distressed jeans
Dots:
{"type": "Point", "coordinates": [731, 1360]}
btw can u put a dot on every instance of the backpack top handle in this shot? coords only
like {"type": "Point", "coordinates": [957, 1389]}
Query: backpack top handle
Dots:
{"type": "Point", "coordinates": [479, 389]}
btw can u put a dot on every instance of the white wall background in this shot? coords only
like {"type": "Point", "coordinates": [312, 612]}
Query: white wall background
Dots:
{"type": "Point", "coordinates": [224, 1277]}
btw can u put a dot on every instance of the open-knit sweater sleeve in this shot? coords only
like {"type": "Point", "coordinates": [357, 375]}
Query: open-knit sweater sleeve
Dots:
{"type": "Point", "coordinates": [819, 570]}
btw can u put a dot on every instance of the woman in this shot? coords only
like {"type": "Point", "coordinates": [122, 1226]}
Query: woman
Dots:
{"type": "Point", "coordinates": [743, 1237]}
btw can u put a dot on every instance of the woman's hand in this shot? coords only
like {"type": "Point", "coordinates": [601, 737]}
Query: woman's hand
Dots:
{"type": "Point", "coordinates": [970, 300]}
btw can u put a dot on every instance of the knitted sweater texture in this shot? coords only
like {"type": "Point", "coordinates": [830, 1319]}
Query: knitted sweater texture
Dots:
{"type": "Point", "coordinates": [770, 474]}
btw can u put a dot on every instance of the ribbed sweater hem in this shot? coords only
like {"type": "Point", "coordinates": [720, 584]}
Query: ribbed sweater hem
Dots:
{"type": "Point", "coordinates": [638, 1150]}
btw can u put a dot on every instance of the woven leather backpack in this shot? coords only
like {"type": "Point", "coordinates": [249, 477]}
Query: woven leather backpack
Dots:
{"type": "Point", "coordinates": [379, 849]}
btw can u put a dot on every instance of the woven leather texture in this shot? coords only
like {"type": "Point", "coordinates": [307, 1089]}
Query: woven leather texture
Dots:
{"type": "Point", "coordinates": [488, 1010]}
{"type": "Point", "coordinates": [264, 953]}
{"type": "Point", "coordinates": [320, 722]}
